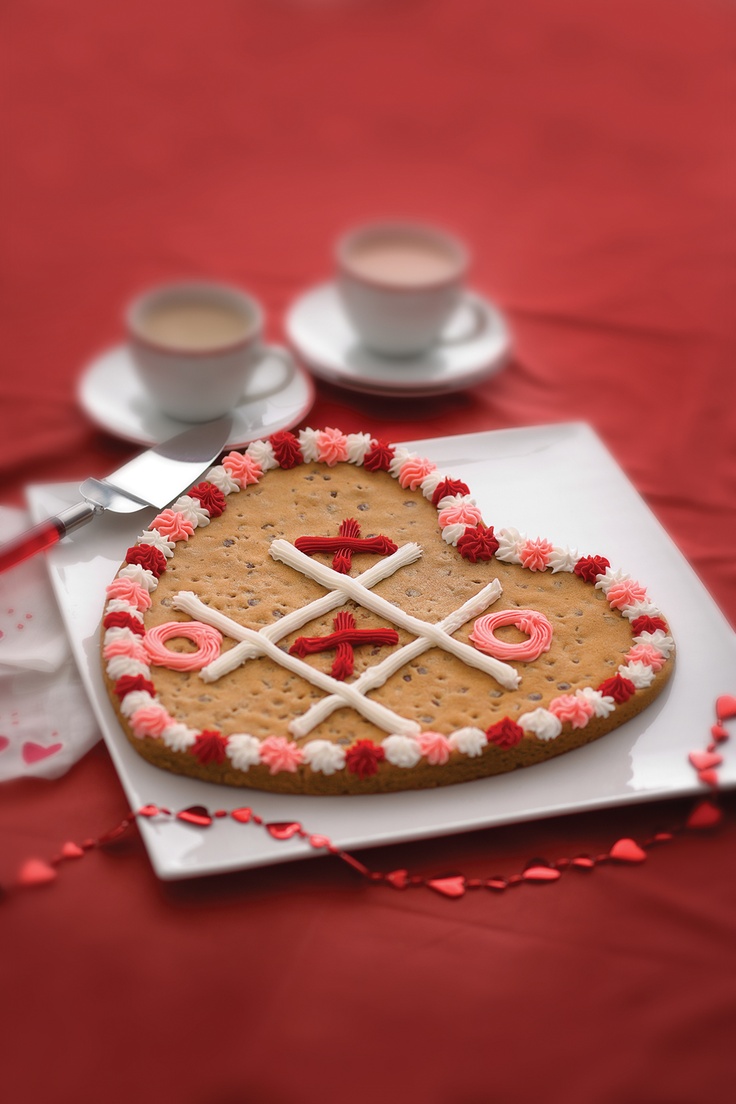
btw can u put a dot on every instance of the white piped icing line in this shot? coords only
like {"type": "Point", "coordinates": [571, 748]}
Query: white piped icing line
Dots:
{"type": "Point", "coordinates": [405, 745]}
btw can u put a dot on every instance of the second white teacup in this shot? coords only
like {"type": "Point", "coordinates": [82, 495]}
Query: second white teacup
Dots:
{"type": "Point", "coordinates": [400, 284]}
{"type": "Point", "coordinates": [196, 345]}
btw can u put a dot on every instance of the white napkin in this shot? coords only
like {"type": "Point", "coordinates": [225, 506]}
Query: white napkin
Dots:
{"type": "Point", "coordinates": [46, 722]}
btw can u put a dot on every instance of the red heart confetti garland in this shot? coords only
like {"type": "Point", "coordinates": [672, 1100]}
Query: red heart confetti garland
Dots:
{"type": "Point", "coordinates": [704, 815]}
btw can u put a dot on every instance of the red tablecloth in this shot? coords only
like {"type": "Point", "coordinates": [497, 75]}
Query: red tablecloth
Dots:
{"type": "Point", "coordinates": [587, 153]}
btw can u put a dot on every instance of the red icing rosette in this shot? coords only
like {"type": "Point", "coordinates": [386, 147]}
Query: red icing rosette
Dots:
{"type": "Point", "coordinates": [379, 456]}
{"type": "Point", "coordinates": [618, 688]}
{"type": "Point", "coordinates": [210, 747]}
{"type": "Point", "coordinates": [505, 733]}
{"type": "Point", "coordinates": [590, 567]}
{"type": "Point", "coordinates": [150, 558]}
{"type": "Point", "coordinates": [120, 619]}
{"type": "Point", "coordinates": [210, 497]}
{"type": "Point", "coordinates": [363, 758]}
{"type": "Point", "coordinates": [286, 449]}
{"type": "Point", "coordinates": [449, 487]}
{"type": "Point", "coordinates": [477, 543]}
{"type": "Point", "coordinates": [648, 624]}
{"type": "Point", "coordinates": [126, 684]}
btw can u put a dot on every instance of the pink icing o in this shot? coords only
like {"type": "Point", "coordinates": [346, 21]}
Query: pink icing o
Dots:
{"type": "Point", "coordinates": [532, 622]}
{"type": "Point", "coordinates": [207, 640]}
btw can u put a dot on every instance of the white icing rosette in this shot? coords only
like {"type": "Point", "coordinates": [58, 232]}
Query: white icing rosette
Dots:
{"type": "Point", "coordinates": [402, 751]}
{"type": "Point", "coordinates": [309, 444]}
{"type": "Point", "coordinates": [563, 559]}
{"type": "Point", "coordinates": [261, 452]}
{"type": "Point", "coordinates": [509, 542]}
{"type": "Point", "coordinates": [154, 539]}
{"type": "Point", "coordinates": [122, 665]}
{"type": "Point", "coordinates": [358, 446]}
{"type": "Point", "coordinates": [541, 723]}
{"type": "Point", "coordinates": [641, 674]}
{"type": "Point", "coordinates": [602, 705]}
{"type": "Point", "coordinates": [660, 640]}
{"type": "Point", "coordinates": [179, 737]}
{"type": "Point", "coordinates": [134, 700]}
{"type": "Point", "coordinates": [243, 750]}
{"type": "Point", "coordinates": [140, 575]}
{"type": "Point", "coordinates": [469, 741]}
{"type": "Point", "coordinates": [221, 478]}
{"type": "Point", "coordinates": [324, 756]}
{"type": "Point", "coordinates": [191, 509]}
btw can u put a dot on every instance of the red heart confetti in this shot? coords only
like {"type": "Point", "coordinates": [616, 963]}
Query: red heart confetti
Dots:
{"type": "Point", "coordinates": [35, 872]}
{"type": "Point", "coordinates": [704, 815]}
{"type": "Point", "coordinates": [71, 850]}
{"type": "Point", "coordinates": [704, 760]}
{"type": "Point", "coordinates": [719, 733]}
{"type": "Point", "coordinates": [284, 831]}
{"type": "Point", "coordinates": [540, 874]}
{"type": "Point", "coordinates": [319, 841]}
{"type": "Point", "coordinates": [725, 707]}
{"type": "Point", "coordinates": [449, 887]}
{"type": "Point", "coordinates": [708, 777]}
{"type": "Point", "coordinates": [399, 879]}
{"type": "Point", "coordinates": [151, 810]}
{"type": "Point", "coordinates": [627, 850]}
{"type": "Point", "coordinates": [197, 815]}
{"type": "Point", "coordinates": [241, 815]}
{"type": "Point", "coordinates": [583, 862]}
{"type": "Point", "coordinates": [34, 753]}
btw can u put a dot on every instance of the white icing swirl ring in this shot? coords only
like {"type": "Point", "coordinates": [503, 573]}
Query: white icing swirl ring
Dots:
{"type": "Point", "coordinates": [535, 624]}
{"type": "Point", "coordinates": [207, 639]}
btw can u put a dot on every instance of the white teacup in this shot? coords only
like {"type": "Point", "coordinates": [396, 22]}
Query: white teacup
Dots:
{"type": "Point", "coordinates": [195, 346]}
{"type": "Point", "coordinates": [400, 284]}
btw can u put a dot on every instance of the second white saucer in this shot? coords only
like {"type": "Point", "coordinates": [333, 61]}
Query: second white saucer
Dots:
{"type": "Point", "coordinates": [112, 395]}
{"type": "Point", "coordinates": [320, 332]}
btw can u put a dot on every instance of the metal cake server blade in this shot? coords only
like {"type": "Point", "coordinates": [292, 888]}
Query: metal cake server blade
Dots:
{"type": "Point", "coordinates": [155, 478]}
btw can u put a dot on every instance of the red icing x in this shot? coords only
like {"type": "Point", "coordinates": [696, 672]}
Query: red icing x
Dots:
{"type": "Point", "coordinates": [344, 545]}
{"type": "Point", "coordinates": [345, 637]}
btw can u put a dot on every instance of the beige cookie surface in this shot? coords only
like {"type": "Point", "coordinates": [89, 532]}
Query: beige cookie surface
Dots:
{"type": "Point", "coordinates": [228, 565]}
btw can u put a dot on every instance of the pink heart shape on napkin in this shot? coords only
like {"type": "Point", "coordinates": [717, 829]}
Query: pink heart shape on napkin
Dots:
{"type": "Point", "coordinates": [4, 741]}
{"type": "Point", "coordinates": [34, 753]}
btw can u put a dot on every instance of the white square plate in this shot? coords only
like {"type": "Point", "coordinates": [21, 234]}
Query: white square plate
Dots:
{"type": "Point", "coordinates": [557, 482]}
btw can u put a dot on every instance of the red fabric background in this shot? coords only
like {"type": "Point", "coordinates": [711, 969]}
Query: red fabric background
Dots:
{"type": "Point", "coordinates": [587, 153]}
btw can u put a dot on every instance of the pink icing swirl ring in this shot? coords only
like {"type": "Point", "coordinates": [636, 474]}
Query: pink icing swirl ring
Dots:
{"type": "Point", "coordinates": [207, 639]}
{"type": "Point", "coordinates": [535, 624]}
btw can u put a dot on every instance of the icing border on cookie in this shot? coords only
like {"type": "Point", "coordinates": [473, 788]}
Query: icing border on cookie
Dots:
{"type": "Point", "coordinates": [461, 526]}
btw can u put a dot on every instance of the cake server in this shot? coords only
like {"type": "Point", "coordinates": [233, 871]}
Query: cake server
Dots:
{"type": "Point", "coordinates": [155, 478]}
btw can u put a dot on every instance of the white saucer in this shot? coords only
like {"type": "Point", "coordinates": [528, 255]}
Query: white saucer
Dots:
{"type": "Point", "coordinates": [320, 332]}
{"type": "Point", "coordinates": [112, 395]}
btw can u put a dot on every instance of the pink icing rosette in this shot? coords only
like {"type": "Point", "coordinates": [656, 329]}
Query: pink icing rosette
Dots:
{"type": "Point", "coordinates": [280, 754]}
{"type": "Point", "coordinates": [332, 447]}
{"type": "Point", "coordinates": [242, 467]}
{"type": "Point", "coordinates": [150, 720]}
{"type": "Point", "coordinates": [460, 513]}
{"type": "Point", "coordinates": [127, 590]}
{"type": "Point", "coordinates": [625, 593]}
{"type": "Point", "coordinates": [435, 747]}
{"type": "Point", "coordinates": [646, 653]}
{"type": "Point", "coordinates": [172, 524]}
{"type": "Point", "coordinates": [569, 707]}
{"type": "Point", "coordinates": [413, 471]}
{"type": "Point", "coordinates": [132, 648]}
{"type": "Point", "coordinates": [535, 554]}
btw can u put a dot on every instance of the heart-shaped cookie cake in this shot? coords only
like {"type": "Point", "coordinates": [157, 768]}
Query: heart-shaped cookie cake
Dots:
{"type": "Point", "coordinates": [327, 614]}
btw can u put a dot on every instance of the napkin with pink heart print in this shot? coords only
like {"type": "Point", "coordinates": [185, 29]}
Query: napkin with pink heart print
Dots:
{"type": "Point", "coordinates": [46, 722]}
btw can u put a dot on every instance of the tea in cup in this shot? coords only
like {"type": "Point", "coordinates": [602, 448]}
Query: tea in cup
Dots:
{"type": "Point", "coordinates": [196, 345]}
{"type": "Point", "coordinates": [400, 283]}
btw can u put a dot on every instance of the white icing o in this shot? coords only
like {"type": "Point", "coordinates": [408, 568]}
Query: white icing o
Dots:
{"type": "Point", "coordinates": [243, 750]}
{"type": "Point", "coordinates": [261, 452]}
{"type": "Point", "coordinates": [221, 478]}
{"type": "Point", "coordinates": [401, 751]}
{"type": "Point", "coordinates": [324, 756]}
{"type": "Point", "coordinates": [358, 446]}
{"type": "Point", "coordinates": [469, 741]}
{"type": "Point", "coordinates": [157, 540]}
{"type": "Point", "coordinates": [541, 723]}
{"type": "Point", "coordinates": [192, 510]}
{"type": "Point", "coordinates": [178, 736]}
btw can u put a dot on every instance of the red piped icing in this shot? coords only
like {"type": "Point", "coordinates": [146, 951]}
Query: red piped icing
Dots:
{"type": "Point", "coordinates": [379, 457]}
{"type": "Point", "coordinates": [119, 619]}
{"type": "Point", "coordinates": [210, 497]}
{"type": "Point", "coordinates": [449, 487]}
{"type": "Point", "coordinates": [477, 543]}
{"type": "Point", "coordinates": [150, 558]}
{"type": "Point", "coordinates": [210, 747]}
{"type": "Point", "coordinates": [590, 567]}
{"type": "Point", "coordinates": [343, 545]}
{"type": "Point", "coordinates": [286, 449]}
{"type": "Point", "coordinates": [648, 624]}
{"type": "Point", "coordinates": [618, 688]}
{"type": "Point", "coordinates": [128, 683]}
{"type": "Point", "coordinates": [363, 758]}
{"type": "Point", "coordinates": [345, 637]}
{"type": "Point", "coordinates": [505, 733]}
